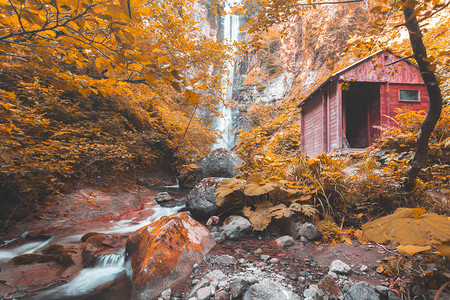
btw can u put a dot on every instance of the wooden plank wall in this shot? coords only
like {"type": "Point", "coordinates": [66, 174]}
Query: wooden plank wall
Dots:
{"type": "Point", "coordinates": [391, 104]}
{"type": "Point", "coordinates": [374, 70]}
{"type": "Point", "coordinates": [322, 115]}
{"type": "Point", "coordinates": [333, 118]}
{"type": "Point", "coordinates": [312, 131]}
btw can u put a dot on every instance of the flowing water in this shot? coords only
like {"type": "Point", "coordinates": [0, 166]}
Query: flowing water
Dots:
{"type": "Point", "coordinates": [7, 254]}
{"type": "Point", "coordinates": [224, 123]}
{"type": "Point", "coordinates": [108, 267]}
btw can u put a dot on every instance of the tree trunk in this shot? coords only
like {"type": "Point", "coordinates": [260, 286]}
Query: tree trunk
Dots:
{"type": "Point", "coordinates": [434, 93]}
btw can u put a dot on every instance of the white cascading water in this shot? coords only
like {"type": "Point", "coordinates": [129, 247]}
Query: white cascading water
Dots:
{"type": "Point", "coordinates": [107, 268]}
{"type": "Point", "coordinates": [224, 123]}
{"type": "Point", "coordinates": [24, 249]}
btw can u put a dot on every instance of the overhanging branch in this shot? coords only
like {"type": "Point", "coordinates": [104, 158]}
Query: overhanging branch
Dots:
{"type": "Point", "coordinates": [325, 3]}
{"type": "Point", "coordinates": [399, 60]}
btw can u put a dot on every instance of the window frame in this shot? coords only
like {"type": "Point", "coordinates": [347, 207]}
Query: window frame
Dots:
{"type": "Point", "coordinates": [406, 100]}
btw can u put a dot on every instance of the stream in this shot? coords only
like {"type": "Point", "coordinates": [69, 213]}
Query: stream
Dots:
{"type": "Point", "coordinates": [109, 267]}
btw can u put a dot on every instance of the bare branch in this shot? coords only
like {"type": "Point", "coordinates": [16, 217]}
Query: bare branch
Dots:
{"type": "Point", "coordinates": [325, 3]}
{"type": "Point", "coordinates": [434, 13]}
{"type": "Point", "coordinates": [399, 60]}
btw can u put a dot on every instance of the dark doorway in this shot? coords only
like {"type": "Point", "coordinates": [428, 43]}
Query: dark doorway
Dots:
{"type": "Point", "coordinates": [361, 112]}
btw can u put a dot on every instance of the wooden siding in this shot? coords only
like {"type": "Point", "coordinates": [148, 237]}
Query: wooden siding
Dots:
{"type": "Point", "coordinates": [374, 70]}
{"type": "Point", "coordinates": [312, 131]}
{"type": "Point", "coordinates": [333, 119]}
{"type": "Point", "coordinates": [391, 103]}
{"type": "Point", "coordinates": [323, 115]}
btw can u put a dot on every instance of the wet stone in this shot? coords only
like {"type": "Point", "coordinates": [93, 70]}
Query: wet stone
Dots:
{"type": "Point", "coordinates": [216, 275]}
{"type": "Point", "coordinates": [361, 290]}
{"type": "Point", "coordinates": [340, 267]}
{"type": "Point", "coordinates": [226, 260]}
{"type": "Point", "coordinates": [265, 258]}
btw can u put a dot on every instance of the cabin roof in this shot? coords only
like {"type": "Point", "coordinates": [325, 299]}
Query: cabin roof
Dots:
{"type": "Point", "coordinates": [338, 73]}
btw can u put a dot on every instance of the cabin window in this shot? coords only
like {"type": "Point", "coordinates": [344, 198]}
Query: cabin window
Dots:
{"type": "Point", "coordinates": [409, 95]}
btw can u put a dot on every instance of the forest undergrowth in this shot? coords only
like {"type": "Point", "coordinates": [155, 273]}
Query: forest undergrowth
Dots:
{"type": "Point", "coordinates": [342, 192]}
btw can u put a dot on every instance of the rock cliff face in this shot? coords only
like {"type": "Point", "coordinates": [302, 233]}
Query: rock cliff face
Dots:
{"type": "Point", "coordinates": [293, 57]}
{"type": "Point", "coordinates": [208, 23]}
{"type": "Point", "coordinates": [296, 56]}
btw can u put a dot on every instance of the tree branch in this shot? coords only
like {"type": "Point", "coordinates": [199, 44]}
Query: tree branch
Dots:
{"type": "Point", "coordinates": [325, 3]}
{"type": "Point", "coordinates": [399, 60]}
{"type": "Point", "coordinates": [42, 29]}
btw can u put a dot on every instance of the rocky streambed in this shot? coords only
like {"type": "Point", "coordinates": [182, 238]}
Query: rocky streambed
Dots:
{"type": "Point", "coordinates": [134, 243]}
{"type": "Point", "coordinates": [241, 265]}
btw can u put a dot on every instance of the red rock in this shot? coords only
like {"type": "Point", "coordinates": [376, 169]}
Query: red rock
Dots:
{"type": "Point", "coordinates": [18, 280]}
{"type": "Point", "coordinates": [164, 252]}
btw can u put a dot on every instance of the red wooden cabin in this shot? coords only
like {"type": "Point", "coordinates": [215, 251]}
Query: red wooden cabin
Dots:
{"type": "Point", "coordinates": [342, 111]}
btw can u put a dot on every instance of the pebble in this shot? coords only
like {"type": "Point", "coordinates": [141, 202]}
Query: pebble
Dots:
{"type": "Point", "coordinates": [195, 281]}
{"type": "Point", "coordinates": [285, 241]}
{"type": "Point", "coordinates": [292, 277]}
{"type": "Point", "coordinates": [205, 293]}
{"type": "Point", "coordinates": [165, 295]}
{"type": "Point", "coordinates": [226, 260]}
{"type": "Point", "coordinates": [222, 295]}
{"type": "Point", "coordinates": [265, 258]}
{"type": "Point", "coordinates": [340, 267]}
{"type": "Point", "coordinates": [363, 268]}
{"type": "Point", "coordinates": [274, 261]}
{"type": "Point", "coordinates": [215, 275]}
{"type": "Point", "coordinates": [304, 273]}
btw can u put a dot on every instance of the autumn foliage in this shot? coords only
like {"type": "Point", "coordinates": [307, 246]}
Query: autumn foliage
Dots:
{"type": "Point", "coordinates": [90, 88]}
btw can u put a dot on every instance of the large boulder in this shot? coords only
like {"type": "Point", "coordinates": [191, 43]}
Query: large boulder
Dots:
{"type": "Point", "coordinates": [201, 200]}
{"type": "Point", "coordinates": [219, 163]}
{"type": "Point", "coordinates": [163, 253]}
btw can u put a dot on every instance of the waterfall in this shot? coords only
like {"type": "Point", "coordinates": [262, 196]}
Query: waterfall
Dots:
{"type": "Point", "coordinates": [224, 123]}
{"type": "Point", "coordinates": [108, 268]}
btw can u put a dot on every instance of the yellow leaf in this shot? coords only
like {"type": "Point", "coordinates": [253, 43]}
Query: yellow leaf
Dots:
{"type": "Point", "coordinates": [86, 92]}
{"type": "Point", "coordinates": [6, 127]}
{"type": "Point", "coordinates": [412, 249]}
{"type": "Point", "coordinates": [98, 62]}
{"type": "Point", "coordinates": [256, 189]}
{"type": "Point", "coordinates": [162, 60]}
{"type": "Point", "coordinates": [116, 11]}
{"type": "Point", "coordinates": [135, 67]}
{"type": "Point", "coordinates": [444, 248]}
{"type": "Point", "coordinates": [125, 5]}
{"type": "Point", "coordinates": [32, 17]}
{"type": "Point", "coordinates": [347, 240]}
{"type": "Point", "coordinates": [260, 217]}
{"type": "Point", "coordinates": [150, 79]}
{"type": "Point", "coordinates": [303, 198]}
{"type": "Point", "coordinates": [191, 97]}
{"type": "Point", "coordinates": [7, 106]}
{"type": "Point", "coordinates": [227, 187]}
{"type": "Point", "coordinates": [417, 212]}
{"type": "Point", "coordinates": [360, 237]}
